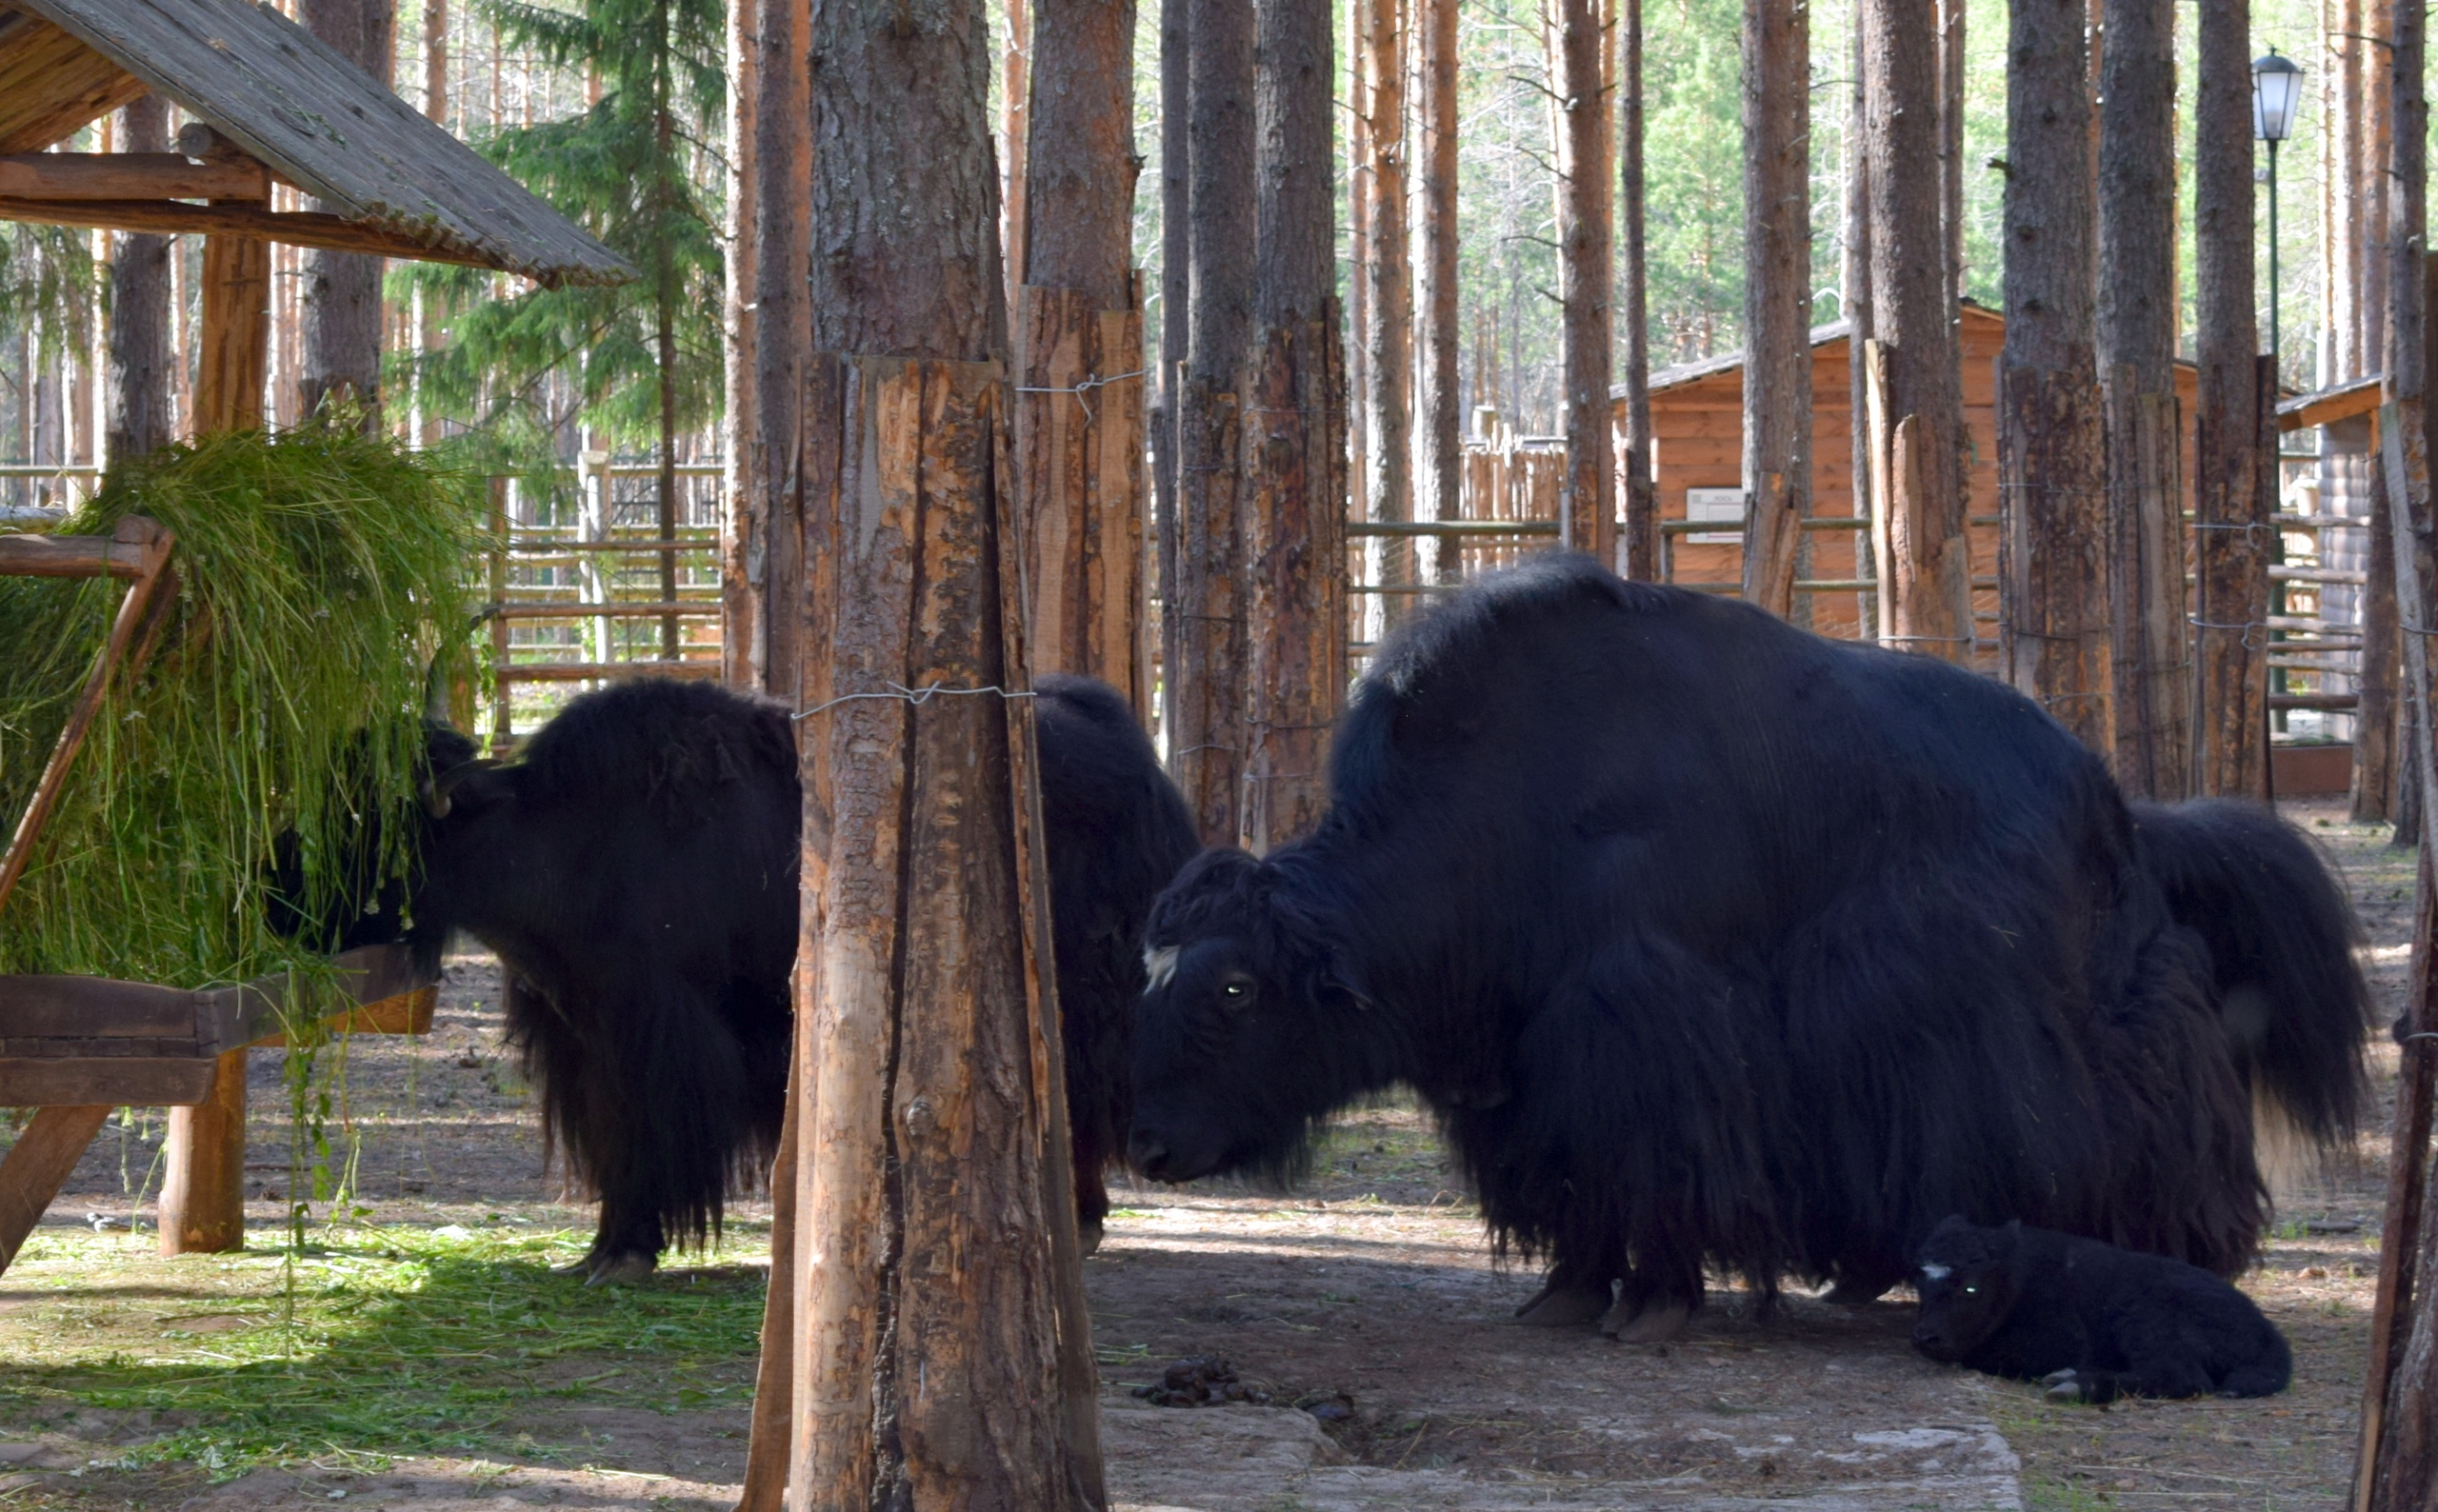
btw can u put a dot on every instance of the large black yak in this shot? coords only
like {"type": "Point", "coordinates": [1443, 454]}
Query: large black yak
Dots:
{"type": "Point", "coordinates": [1712, 943]}
{"type": "Point", "coordinates": [2090, 1321]}
{"type": "Point", "coordinates": [636, 872]}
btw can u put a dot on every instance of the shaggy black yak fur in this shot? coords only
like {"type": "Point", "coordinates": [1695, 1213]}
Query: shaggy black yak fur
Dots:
{"type": "Point", "coordinates": [636, 872]}
{"type": "Point", "coordinates": [1712, 943]}
{"type": "Point", "coordinates": [2090, 1321]}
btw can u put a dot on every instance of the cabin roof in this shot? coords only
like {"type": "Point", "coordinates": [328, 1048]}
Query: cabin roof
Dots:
{"type": "Point", "coordinates": [314, 118]}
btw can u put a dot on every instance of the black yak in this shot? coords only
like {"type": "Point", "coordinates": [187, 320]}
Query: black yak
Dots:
{"type": "Point", "coordinates": [636, 872]}
{"type": "Point", "coordinates": [1716, 944]}
{"type": "Point", "coordinates": [2090, 1321]}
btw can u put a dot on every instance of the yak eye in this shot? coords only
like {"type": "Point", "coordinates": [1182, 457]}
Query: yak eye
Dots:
{"type": "Point", "coordinates": [1973, 1291]}
{"type": "Point", "coordinates": [1236, 989]}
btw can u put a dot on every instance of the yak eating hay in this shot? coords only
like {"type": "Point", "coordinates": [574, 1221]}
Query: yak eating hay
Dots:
{"type": "Point", "coordinates": [1716, 944]}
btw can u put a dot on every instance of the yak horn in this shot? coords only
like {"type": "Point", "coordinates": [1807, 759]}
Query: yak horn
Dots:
{"type": "Point", "coordinates": [435, 790]}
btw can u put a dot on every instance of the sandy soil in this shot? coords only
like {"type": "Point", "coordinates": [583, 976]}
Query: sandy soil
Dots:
{"type": "Point", "coordinates": [1366, 1306]}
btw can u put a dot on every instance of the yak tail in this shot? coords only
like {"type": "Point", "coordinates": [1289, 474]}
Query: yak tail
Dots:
{"type": "Point", "coordinates": [2281, 939]}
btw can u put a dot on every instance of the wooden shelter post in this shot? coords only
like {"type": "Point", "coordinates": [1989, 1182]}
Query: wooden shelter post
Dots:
{"type": "Point", "coordinates": [1777, 297]}
{"type": "Point", "coordinates": [236, 334]}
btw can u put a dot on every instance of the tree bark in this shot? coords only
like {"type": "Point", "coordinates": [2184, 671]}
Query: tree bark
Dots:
{"type": "Point", "coordinates": [1587, 506]}
{"type": "Point", "coordinates": [342, 290]}
{"type": "Point", "coordinates": [139, 381]}
{"type": "Point", "coordinates": [1206, 682]}
{"type": "Point", "coordinates": [1176, 105]}
{"type": "Point", "coordinates": [2376, 727]}
{"type": "Point", "coordinates": [1777, 296]}
{"type": "Point", "coordinates": [1081, 162]}
{"type": "Point", "coordinates": [941, 1355]}
{"type": "Point", "coordinates": [1640, 542]}
{"type": "Point", "coordinates": [1915, 403]}
{"type": "Point", "coordinates": [2232, 512]}
{"type": "Point", "coordinates": [1859, 330]}
{"type": "Point", "coordinates": [2398, 1464]}
{"type": "Point", "coordinates": [1294, 438]}
{"type": "Point", "coordinates": [2136, 350]}
{"type": "Point", "coordinates": [1951, 108]}
{"type": "Point", "coordinates": [1015, 94]}
{"type": "Point", "coordinates": [1387, 302]}
{"type": "Point", "coordinates": [1440, 418]}
{"type": "Point", "coordinates": [2052, 449]}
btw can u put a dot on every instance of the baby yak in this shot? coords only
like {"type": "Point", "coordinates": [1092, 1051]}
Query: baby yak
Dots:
{"type": "Point", "coordinates": [1718, 946]}
{"type": "Point", "coordinates": [636, 872]}
{"type": "Point", "coordinates": [2090, 1321]}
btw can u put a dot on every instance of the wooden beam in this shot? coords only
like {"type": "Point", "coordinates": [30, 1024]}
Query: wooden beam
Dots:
{"type": "Point", "coordinates": [293, 228]}
{"type": "Point", "coordinates": [52, 85]}
{"type": "Point", "coordinates": [236, 331]}
{"type": "Point", "coordinates": [41, 1160]}
{"type": "Point", "coordinates": [69, 556]}
{"type": "Point", "coordinates": [203, 1194]}
{"type": "Point", "coordinates": [119, 1081]}
{"type": "Point", "coordinates": [2329, 405]}
{"type": "Point", "coordinates": [128, 176]}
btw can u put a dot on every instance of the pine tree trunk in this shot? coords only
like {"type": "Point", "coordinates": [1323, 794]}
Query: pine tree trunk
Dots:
{"type": "Point", "coordinates": [2233, 527]}
{"type": "Point", "coordinates": [1777, 296]}
{"type": "Point", "coordinates": [1205, 682]}
{"type": "Point", "coordinates": [1293, 437]}
{"type": "Point", "coordinates": [1587, 506]}
{"type": "Point", "coordinates": [1640, 544]}
{"type": "Point", "coordinates": [1176, 105]}
{"type": "Point", "coordinates": [341, 314]}
{"type": "Point", "coordinates": [2136, 350]}
{"type": "Point", "coordinates": [1387, 302]}
{"type": "Point", "coordinates": [2052, 449]}
{"type": "Point", "coordinates": [138, 384]}
{"type": "Point", "coordinates": [2376, 727]}
{"type": "Point", "coordinates": [1914, 399]}
{"type": "Point", "coordinates": [1440, 417]}
{"type": "Point", "coordinates": [2399, 1463]}
{"type": "Point", "coordinates": [424, 330]}
{"type": "Point", "coordinates": [1859, 330]}
{"type": "Point", "coordinates": [942, 1353]}
{"type": "Point", "coordinates": [1015, 94]}
{"type": "Point", "coordinates": [1951, 111]}
{"type": "Point", "coordinates": [1079, 351]}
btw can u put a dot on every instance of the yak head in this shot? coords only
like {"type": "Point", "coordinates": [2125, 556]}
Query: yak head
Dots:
{"type": "Point", "coordinates": [360, 899]}
{"type": "Point", "coordinates": [1967, 1281]}
{"type": "Point", "coordinates": [1253, 1026]}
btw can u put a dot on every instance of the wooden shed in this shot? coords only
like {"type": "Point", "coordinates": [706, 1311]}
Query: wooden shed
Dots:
{"type": "Point", "coordinates": [1697, 421]}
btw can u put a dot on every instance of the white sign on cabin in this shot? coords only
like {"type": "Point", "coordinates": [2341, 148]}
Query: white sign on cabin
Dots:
{"type": "Point", "coordinates": [1725, 506]}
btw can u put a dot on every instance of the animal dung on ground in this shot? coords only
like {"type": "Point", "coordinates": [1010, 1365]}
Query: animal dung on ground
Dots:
{"type": "Point", "coordinates": [1202, 1381]}
{"type": "Point", "coordinates": [2089, 1321]}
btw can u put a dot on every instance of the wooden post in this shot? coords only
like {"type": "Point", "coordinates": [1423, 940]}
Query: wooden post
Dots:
{"type": "Point", "coordinates": [1439, 406]}
{"type": "Point", "coordinates": [1578, 80]}
{"type": "Point", "coordinates": [203, 1187]}
{"type": "Point", "coordinates": [1386, 275]}
{"type": "Point", "coordinates": [236, 334]}
{"type": "Point", "coordinates": [44, 1157]}
{"type": "Point", "coordinates": [1856, 267]}
{"type": "Point", "coordinates": [1777, 297]}
{"type": "Point", "coordinates": [1640, 544]}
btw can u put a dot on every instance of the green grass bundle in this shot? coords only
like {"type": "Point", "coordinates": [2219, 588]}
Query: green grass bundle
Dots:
{"type": "Point", "coordinates": [318, 572]}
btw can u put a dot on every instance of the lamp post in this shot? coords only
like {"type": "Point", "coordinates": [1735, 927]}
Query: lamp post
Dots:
{"type": "Point", "coordinates": [2276, 89]}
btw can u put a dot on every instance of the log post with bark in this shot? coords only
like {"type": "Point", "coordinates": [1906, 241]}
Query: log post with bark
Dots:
{"type": "Point", "coordinates": [2398, 1464]}
{"type": "Point", "coordinates": [1639, 545]}
{"type": "Point", "coordinates": [1079, 352]}
{"type": "Point", "coordinates": [1386, 274]}
{"type": "Point", "coordinates": [1777, 296]}
{"type": "Point", "coordinates": [939, 1353]}
{"type": "Point", "coordinates": [137, 396]}
{"type": "Point", "coordinates": [1295, 438]}
{"type": "Point", "coordinates": [2233, 525]}
{"type": "Point", "coordinates": [1439, 419]}
{"type": "Point", "coordinates": [2052, 578]}
{"type": "Point", "coordinates": [2136, 350]}
{"type": "Point", "coordinates": [1176, 101]}
{"type": "Point", "coordinates": [1578, 81]}
{"type": "Point", "coordinates": [1913, 395]}
{"type": "Point", "coordinates": [341, 304]}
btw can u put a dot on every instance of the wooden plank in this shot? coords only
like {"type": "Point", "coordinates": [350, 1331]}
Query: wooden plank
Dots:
{"type": "Point", "coordinates": [62, 1006]}
{"type": "Point", "coordinates": [118, 1080]}
{"type": "Point", "coordinates": [2329, 405]}
{"type": "Point", "coordinates": [404, 1013]}
{"type": "Point", "coordinates": [128, 176]}
{"type": "Point", "coordinates": [236, 334]}
{"type": "Point", "coordinates": [603, 671]}
{"type": "Point", "coordinates": [293, 228]}
{"type": "Point", "coordinates": [320, 123]}
{"type": "Point", "coordinates": [203, 1190]}
{"type": "Point", "coordinates": [154, 543]}
{"type": "Point", "coordinates": [41, 1161]}
{"type": "Point", "coordinates": [53, 86]}
{"type": "Point", "coordinates": [68, 556]}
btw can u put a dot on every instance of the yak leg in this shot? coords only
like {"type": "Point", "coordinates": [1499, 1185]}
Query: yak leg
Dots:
{"type": "Point", "coordinates": [1571, 1296]}
{"type": "Point", "coordinates": [1092, 1193]}
{"type": "Point", "coordinates": [1651, 1311]}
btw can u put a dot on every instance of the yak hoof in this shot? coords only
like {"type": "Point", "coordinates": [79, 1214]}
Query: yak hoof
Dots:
{"type": "Point", "coordinates": [622, 1270]}
{"type": "Point", "coordinates": [1088, 1234]}
{"type": "Point", "coordinates": [2063, 1385]}
{"type": "Point", "coordinates": [1646, 1323]}
{"type": "Point", "coordinates": [1563, 1304]}
{"type": "Point", "coordinates": [1850, 1292]}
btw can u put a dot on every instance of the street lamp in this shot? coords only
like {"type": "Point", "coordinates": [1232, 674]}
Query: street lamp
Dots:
{"type": "Point", "coordinates": [2276, 91]}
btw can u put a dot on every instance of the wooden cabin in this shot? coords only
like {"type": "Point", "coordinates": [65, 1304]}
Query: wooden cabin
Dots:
{"type": "Point", "coordinates": [1697, 421]}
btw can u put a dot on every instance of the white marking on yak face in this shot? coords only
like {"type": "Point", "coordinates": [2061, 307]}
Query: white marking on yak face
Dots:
{"type": "Point", "coordinates": [1159, 966]}
{"type": "Point", "coordinates": [1937, 1272]}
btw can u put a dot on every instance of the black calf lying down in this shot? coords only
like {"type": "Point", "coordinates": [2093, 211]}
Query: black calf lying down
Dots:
{"type": "Point", "coordinates": [636, 870]}
{"type": "Point", "coordinates": [2091, 1320]}
{"type": "Point", "coordinates": [1716, 945]}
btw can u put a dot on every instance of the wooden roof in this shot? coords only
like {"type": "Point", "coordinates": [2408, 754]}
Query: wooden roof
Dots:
{"type": "Point", "coordinates": [2329, 405]}
{"type": "Point", "coordinates": [293, 104]}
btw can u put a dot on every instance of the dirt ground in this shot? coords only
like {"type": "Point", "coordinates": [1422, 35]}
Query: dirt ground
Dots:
{"type": "Point", "coordinates": [421, 1352]}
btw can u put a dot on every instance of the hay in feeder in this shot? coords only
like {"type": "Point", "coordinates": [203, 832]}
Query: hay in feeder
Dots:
{"type": "Point", "coordinates": [318, 572]}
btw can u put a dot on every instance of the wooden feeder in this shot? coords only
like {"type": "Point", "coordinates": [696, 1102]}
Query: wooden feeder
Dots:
{"type": "Point", "coordinates": [268, 103]}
